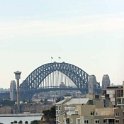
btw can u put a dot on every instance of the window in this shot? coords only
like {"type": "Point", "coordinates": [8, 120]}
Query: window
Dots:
{"type": "Point", "coordinates": [56, 107]}
{"type": "Point", "coordinates": [117, 114]}
{"type": "Point", "coordinates": [90, 102]}
{"type": "Point", "coordinates": [86, 121]}
{"type": "Point", "coordinates": [76, 112]}
{"type": "Point", "coordinates": [122, 100]}
{"type": "Point", "coordinates": [59, 107]}
{"type": "Point", "coordinates": [78, 121]}
{"type": "Point", "coordinates": [56, 112]}
{"type": "Point", "coordinates": [92, 113]}
{"type": "Point", "coordinates": [97, 121]}
{"type": "Point", "coordinates": [57, 118]}
{"type": "Point", "coordinates": [67, 121]}
{"type": "Point", "coordinates": [117, 121]}
{"type": "Point", "coordinates": [104, 121]}
{"type": "Point", "coordinates": [71, 120]}
{"type": "Point", "coordinates": [118, 101]}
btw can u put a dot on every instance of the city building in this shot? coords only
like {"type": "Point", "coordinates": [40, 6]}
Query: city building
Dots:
{"type": "Point", "coordinates": [105, 82]}
{"type": "Point", "coordinates": [114, 93]}
{"type": "Point", "coordinates": [3, 90]}
{"type": "Point", "coordinates": [108, 116]}
{"type": "Point", "coordinates": [120, 99]}
{"type": "Point", "coordinates": [88, 111]}
{"type": "Point", "coordinates": [91, 84]}
{"type": "Point", "coordinates": [13, 90]}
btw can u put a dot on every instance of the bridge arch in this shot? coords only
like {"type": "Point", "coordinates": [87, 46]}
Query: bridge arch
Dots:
{"type": "Point", "coordinates": [76, 74]}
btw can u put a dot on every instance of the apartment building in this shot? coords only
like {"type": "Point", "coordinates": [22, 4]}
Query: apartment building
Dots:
{"type": "Point", "coordinates": [108, 116]}
{"type": "Point", "coordinates": [87, 111]}
{"type": "Point", "coordinates": [114, 92]}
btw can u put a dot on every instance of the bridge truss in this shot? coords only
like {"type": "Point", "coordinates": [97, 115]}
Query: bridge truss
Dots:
{"type": "Point", "coordinates": [40, 79]}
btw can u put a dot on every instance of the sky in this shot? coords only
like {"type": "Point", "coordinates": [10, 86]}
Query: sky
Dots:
{"type": "Point", "coordinates": [86, 33]}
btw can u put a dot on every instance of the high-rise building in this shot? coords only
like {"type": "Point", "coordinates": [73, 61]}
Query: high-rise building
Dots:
{"type": "Point", "coordinates": [13, 90]}
{"type": "Point", "coordinates": [91, 84]}
{"type": "Point", "coordinates": [105, 81]}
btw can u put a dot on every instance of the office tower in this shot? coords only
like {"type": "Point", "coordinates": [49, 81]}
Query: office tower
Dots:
{"type": "Point", "coordinates": [91, 84]}
{"type": "Point", "coordinates": [105, 82]}
{"type": "Point", "coordinates": [13, 90]}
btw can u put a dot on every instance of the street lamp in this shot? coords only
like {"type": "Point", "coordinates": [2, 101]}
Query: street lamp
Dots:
{"type": "Point", "coordinates": [17, 77]}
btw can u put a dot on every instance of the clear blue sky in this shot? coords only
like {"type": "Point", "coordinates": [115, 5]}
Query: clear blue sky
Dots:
{"type": "Point", "coordinates": [89, 34]}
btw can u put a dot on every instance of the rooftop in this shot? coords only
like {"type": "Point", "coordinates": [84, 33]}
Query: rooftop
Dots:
{"type": "Point", "coordinates": [77, 101]}
{"type": "Point", "coordinates": [61, 102]}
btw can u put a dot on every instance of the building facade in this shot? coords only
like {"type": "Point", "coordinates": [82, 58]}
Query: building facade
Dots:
{"type": "Point", "coordinates": [105, 82]}
{"type": "Point", "coordinates": [88, 111]}
{"type": "Point", "coordinates": [13, 90]}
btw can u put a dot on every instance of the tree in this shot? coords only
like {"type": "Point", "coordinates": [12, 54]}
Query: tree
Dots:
{"type": "Point", "coordinates": [35, 122]}
{"type": "Point", "coordinates": [26, 122]}
{"type": "Point", "coordinates": [20, 122]}
{"type": "Point", "coordinates": [50, 115]}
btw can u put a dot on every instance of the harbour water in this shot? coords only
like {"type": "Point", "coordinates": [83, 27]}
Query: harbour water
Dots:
{"type": "Point", "coordinates": [8, 120]}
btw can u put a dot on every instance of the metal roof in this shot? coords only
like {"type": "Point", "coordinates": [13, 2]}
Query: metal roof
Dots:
{"type": "Point", "coordinates": [77, 101]}
{"type": "Point", "coordinates": [61, 102]}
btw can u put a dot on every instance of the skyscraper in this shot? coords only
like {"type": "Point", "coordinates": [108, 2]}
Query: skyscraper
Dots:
{"type": "Point", "coordinates": [105, 81]}
{"type": "Point", "coordinates": [13, 90]}
{"type": "Point", "coordinates": [91, 84]}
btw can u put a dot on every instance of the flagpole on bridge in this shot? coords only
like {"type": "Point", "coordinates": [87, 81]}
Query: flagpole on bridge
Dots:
{"type": "Point", "coordinates": [51, 59]}
{"type": "Point", "coordinates": [59, 58]}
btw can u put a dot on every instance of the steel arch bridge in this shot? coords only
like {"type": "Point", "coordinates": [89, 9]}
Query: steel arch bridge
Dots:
{"type": "Point", "coordinates": [32, 83]}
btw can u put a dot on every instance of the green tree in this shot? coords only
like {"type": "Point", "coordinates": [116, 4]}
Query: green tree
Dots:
{"type": "Point", "coordinates": [35, 122]}
{"type": "Point", "coordinates": [50, 115]}
{"type": "Point", "coordinates": [20, 122]}
{"type": "Point", "coordinates": [26, 122]}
